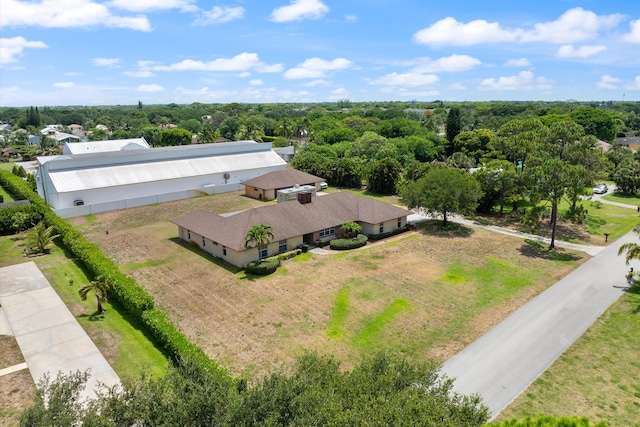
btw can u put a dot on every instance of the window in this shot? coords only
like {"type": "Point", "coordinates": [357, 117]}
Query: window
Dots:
{"type": "Point", "coordinates": [283, 246]}
{"type": "Point", "coordinates": [215, 243]}
{"type": "Point", "coordinates": [399, 222]}
{"type": "Point", "coordinates": [263, 253]}
{"type": "Point", "coordinates": [188, 235]}
{"type": "Point", "coordinates": [203, 242]}
{"type": "Point", "coordinates": [381, 229]}
{"type": "Point", "coordinates": [224, 251]}
{"type": "Point", "coordinates": [327, 232]}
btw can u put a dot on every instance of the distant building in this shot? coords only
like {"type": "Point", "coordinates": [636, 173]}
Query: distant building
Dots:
{"type": "Point", "coordinates": [105, 146]}
{"type": "Point", "coordinates": [266, 187]}
{"type": "Point", "coordinates": [80, 184]}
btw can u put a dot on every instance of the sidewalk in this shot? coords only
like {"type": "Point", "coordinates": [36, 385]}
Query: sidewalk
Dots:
{"type": "Point", "coordinates": [50, 338]}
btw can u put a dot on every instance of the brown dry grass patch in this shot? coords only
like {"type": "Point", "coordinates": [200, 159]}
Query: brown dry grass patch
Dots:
{"type": "Point", "coordinates": [252, 325]}
{"type": "Point", "coordinates": [16, 389]}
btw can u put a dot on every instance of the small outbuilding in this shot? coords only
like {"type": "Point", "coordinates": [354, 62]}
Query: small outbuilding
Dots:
{"type": "Point", "coordinates": [266, 187]}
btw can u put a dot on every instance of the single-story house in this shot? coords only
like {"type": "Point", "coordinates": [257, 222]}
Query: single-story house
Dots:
{"type": "Point", "coordinates": [265, 187]}
{"type": "Point", "coordinates": [632, 142]}
{"type": "Point", "coordinates": [309, 220]}
{"type": "Point", "coordinates": [81, 184]}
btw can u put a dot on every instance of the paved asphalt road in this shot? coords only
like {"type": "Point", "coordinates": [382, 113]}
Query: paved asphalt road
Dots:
{"type": "Point", "coordinates": [505, 361]}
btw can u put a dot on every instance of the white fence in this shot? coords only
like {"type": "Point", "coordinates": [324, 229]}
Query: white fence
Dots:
{"type": "Point", "coordinates": [135, 202]}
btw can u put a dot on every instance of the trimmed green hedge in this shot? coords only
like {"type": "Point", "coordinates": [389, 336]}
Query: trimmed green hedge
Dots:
{"type": "Point", "coordinates": [344, 244]}
{"type": "Point", "coordinates": [374, 237]}
{"type": "Point", "coordinates": [123, 288]}
{"type": "Point", "coordinates": [8, 224]}
{"type": "Point", "coordinates": [264, 267]}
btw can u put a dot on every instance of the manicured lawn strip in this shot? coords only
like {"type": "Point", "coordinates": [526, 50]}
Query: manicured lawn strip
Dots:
{"type": "Point", "coordinates": [623, 198]}
{"type": "Point", "coordinates": [339, 314]}
{"type": "Point", "coordinates": [597, 376]}
{"type": "Point", "coordinates": [6, 194]}
{"type": "Point", "coordinates": [115, 333]}
{"type": "Point", "coordinates": [373, 326]}
{"type": "Point", "coordinates": [145, 264]}
{"type": "Point", "coordinates": [7, 166]}
{"type": "Point", "coordinates": [617, 221]}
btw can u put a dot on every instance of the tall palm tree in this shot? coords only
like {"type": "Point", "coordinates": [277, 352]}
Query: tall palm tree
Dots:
{"type": "Point", "coordinates": [260, 235]}
{"type": "Point", "coordinates": [99, 287]}
{"type": "Point", "coordinates": [632, 250]}
{"type": "Point", "coordinates": [40, 238]}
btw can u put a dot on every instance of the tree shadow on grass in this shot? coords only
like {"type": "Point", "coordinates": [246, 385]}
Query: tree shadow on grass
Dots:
{"type": "Point", "coordinates": [533, 249]}
{"type": "Point", "coordinates": [433, 227]}
{"type": "Point", "coordinates": [217, 261]}
{"type": "Point", "coordinates": [634, 290]}
{"type": "Point", "coordinates": [95, 316]}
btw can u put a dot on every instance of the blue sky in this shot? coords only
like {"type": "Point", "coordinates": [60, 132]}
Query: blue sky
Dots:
{"type": "Point", "coordinates": [92, 52]}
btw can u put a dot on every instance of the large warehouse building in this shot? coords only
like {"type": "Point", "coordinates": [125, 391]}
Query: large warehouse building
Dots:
{"type": "Point", "coordinates": [81, 184]}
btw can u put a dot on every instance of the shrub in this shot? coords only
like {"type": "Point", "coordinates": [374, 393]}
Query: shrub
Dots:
{"type": "Point", "coordinates": [264, 267]}
{"type": "Point", "coordinates": [344, 244]}
{"type": "Point", "coordinates": [290, 254]}
{"type": "Point", "coordinates": [14, 219]}
{"type": "Point", "coordinates": [374, 237]}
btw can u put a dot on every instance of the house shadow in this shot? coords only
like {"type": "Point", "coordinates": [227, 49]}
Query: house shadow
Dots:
{"type": "Point", "coordinates": [435, 227]}
{"type": "Point", "coordinates": [196, 250]}
{"type": "Point", "coordinates": [534, 249]}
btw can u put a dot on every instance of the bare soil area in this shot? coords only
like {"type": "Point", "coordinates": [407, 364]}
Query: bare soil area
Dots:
{"type": "Point", "coordinates": [16, 389]}
{"type": "Point", "coordinates": [252, 325]}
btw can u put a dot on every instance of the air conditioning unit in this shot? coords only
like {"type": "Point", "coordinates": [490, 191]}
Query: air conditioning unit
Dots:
{"type": "Point", "coordinates": [226, 176]}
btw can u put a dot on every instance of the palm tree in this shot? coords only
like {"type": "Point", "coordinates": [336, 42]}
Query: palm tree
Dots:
{"type": "Point", "coordinates": [99, 287]}
{"type": "Point", "coordinates": [40, 238]}
{"type": "Point", "coordinates": [260, 235]}
{"type": "Point", "coordinates": [632, 250]}
{"type": "Point", "coordinates": [351, 229]}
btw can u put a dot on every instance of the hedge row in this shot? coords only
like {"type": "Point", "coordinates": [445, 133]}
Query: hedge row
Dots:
{"type": "Point", "coordinates": [9, 223]}
{"type": "Point", "coordinates": [374, 237]}
{"type": "Point", "coordinates": [123, 288]}
{"type": "Point", "coordinates": [344, 244]}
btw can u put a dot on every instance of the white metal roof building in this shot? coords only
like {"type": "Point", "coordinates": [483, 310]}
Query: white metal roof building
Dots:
{"type": "Point", "coordinates": [105, 146]}
{"type": "Point", "coordinates": [79, 184]}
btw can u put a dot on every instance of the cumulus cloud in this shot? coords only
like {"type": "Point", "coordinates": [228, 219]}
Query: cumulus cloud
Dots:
{"type": "Point", "coordinates": [12, 48]}
{"type": "Point", "coordinates": [634, 35]}
{"type": "Point", "coordinates": [449, 31]}
{"type": "Point", "coordinates": [150, 88]}
{"type": "Point", "coordinates": [106, 62]}
{"type": "Point", "coordinates": [575, 25]}
{"type": "Point", "coordinates": [406, 79]}
{"type": "Point", "coordinates": [608, 82]}
{"type": "Point", "coordinates": [220, 15]}
{"type": "Point", "coordinates": [298, 10]}
{"type": "Point", "coordinates": [64, 84]}
{"type": "Point", "coordinates": [568, 51]}
{"type": "Point", "coordinates": [153, 5]}
{"type": "Point", "coordinates": [66, 14]}
{"type": "Point", "coordinates": [519, 62]}
{"type": "Point", "coordinates": [525, 80]}
{"type": "Point", "coordinates": [453, 63]}
{"type": "Point", "coordinates": [242, 62]}
{"type": "Point", "coordinates": [315, 68]}
{"type": "Point", "coordinates": [318, 82]}
{"type": "Point", "coordinates": [255, 82]}
{"type": "Point", "coordinates": [635, 85]}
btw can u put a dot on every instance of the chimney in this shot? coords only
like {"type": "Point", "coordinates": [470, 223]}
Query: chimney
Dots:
{"type": "Point", "coordinates": [304, 197]}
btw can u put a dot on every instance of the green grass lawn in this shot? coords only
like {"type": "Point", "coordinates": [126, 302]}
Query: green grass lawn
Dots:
{"type": "Point", "coordinates": [623, 198]}
{"type": "Point", "coordinates": [7, 196]}
{"type": "Point", "coordinates": [597, 376]}
{"type": "Point", "coordinates": [124, 343]}
{"type": "Point", "coordinates": [8, 166]}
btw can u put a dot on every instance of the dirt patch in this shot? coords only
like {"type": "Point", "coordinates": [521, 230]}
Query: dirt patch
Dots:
{"type": "Point", "coordinates": [16, 389]}
{"type": "Point", "coordinates": [252, 325]}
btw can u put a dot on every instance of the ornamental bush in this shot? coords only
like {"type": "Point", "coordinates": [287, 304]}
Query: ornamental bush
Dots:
{"type": "Point", "coordinates": [264, 267]}
{"type": "Point", "coordinates": [344, 244]}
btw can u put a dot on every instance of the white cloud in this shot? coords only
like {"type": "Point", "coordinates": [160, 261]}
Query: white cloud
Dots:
{"type": "Point", "coordinates": [143, 69]}
{"type": "Point", "coordinates": [339, 93]}
{"type": "Point", "coordinates": [255, 82]}
{"type": "Point", "coordinates": [523, 81]}
{"type": "Point", "coordinates": [453, 63]}
{"type": "Point", "coordinates": [519, 62]}
{"type": "Point", "coordinates": [11, 48]}
{"type": "Point", "coordinates": [406, 79]}
{"type": "Point", "coordinates": [106, 62]}
{"type": "Point", "coordinates": [350, 18]}
{"type": "Point", "coordinates": [64, 84]}
{"type": "Point", "coordinates": [608, 82]}
{"type": "Point", "coordinates": [152, 5]}
{"type": "Point", "coordinates": [568, 51]}
{"type": "Point", "coordinates": [319, 82]}
{"type": "Point", "coordinates": [635, 85]}
{"type": "Point", "coordinates": [634, 35]}
{"type": "Point", "coordinates": [573, 26]}
{"type": "Point", "coordinates": [242, 62]}
{"type": "Point", "coordinates": [150, 88]}
{"type": "Point", "coordinates": [66, 14]}
{"type": "Point", "coordinates": [220, 15]}
{"type": "Point", "coordinates": [448, 31]}
{"type": "Point", "coordinates": [315, 68]}
{"type": "Point", "coordinates": [298, 10]}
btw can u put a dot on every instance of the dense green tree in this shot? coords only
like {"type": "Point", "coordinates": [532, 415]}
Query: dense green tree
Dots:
{"type": "Point", "coordinates": [453, 127]}
{"type": "Point", "coordinates": [595, 122]}
{"type": "Point", "coordinates": [229, 127]}
{"type": "Point", "coordinates": [627, 176]}
{"type": "Point", "coordinates": [474, 143]}
{"type": "Point", "coordinates": [499, 182]}
{"type": "Point", "coordinates": [259, 235]}
{"type": "Point", "coordinates": [517, 139]}
{"type": "Point", "coordinates": [176, 136]}
{"type": "Point", "coordinates": [192, 125]}
{"type": "Point", "coordinates": [152, 135]}
{"type": "Point", "coordinates": [443, 191]}
{"type": "Point", "coordinates": [384, 176]}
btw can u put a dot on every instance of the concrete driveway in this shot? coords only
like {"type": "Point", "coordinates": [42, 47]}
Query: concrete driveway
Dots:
{"type": "Point", "coordinates": [50, 338]}
{"type": "Point", "coordinates": [501, 364]}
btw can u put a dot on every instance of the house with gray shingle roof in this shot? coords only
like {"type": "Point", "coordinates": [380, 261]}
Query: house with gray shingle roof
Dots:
{"type": "Point", "coordinates": [308, 220]}
{"type": "Point", "coordinates": [266, 187]}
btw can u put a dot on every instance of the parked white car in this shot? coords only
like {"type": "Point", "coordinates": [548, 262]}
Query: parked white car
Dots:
{"type": "Point", "coordinates": [600, 189]}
